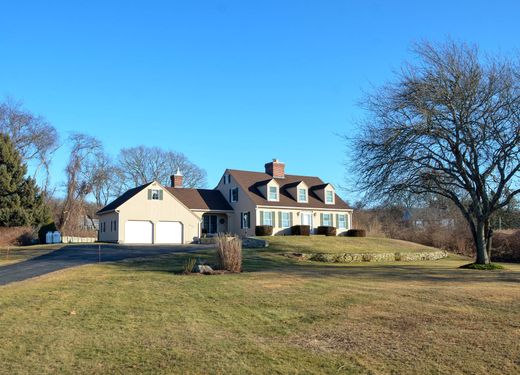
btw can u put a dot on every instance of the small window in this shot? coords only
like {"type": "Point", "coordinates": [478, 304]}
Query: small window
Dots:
{"type": "Point", "coordinates": [155, 194]}
{"type": "Point", "coordinates": [268, 218]}
{"type": "Point", "coordinates": [115, 225]}
{"type": "Point", "coordinates": [233, 195]}
{"type": "Point", "coordinates": [273, 193]}
{"type": "Point", "coordinates": [342, 221]}
{"type": "Point", "coordinates": [327, 220]}
{"type": "Point", "coordinates": [329, 197]}
{"type": "Point", "coordinates": [302, 195]}
{"type": "Point", "coordinates": [286, 219]}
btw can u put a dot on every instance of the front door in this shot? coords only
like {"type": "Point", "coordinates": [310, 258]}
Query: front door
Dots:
{"type": "Point", "coordinates": [307, 218]}
{"type": "Point", "coordinates": [210, 224]}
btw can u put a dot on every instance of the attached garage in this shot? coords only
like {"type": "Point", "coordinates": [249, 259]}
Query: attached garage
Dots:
{"type": "Point", "coordinates": [138, 232]}
{"type": "Point", "coordinates": [168, 232]}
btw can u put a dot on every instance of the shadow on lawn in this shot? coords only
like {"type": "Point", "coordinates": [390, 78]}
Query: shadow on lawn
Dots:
{"type": "Point", "coordinates": [264, 261]}
{"type": "Point", "coordinates": [77, 255]}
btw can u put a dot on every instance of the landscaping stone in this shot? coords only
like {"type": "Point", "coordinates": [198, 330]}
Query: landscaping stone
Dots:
{"type": "Point", "coordinates": [203, 268]}
{"type": "Point", "coordinates": [251, 243]}
{"type": "Point", "coordinates": [374, 257]}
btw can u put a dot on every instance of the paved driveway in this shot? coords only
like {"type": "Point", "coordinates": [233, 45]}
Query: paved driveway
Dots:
{"type": "Point", "coordinates": [77, 255]}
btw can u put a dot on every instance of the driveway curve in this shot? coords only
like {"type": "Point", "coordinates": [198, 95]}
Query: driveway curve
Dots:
{"type": "Point", "coordinates": [77, 255]}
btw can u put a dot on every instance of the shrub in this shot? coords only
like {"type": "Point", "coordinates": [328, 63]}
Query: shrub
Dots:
{"type": "Point", "coordinates": [229, 252]}
{"type": "Point", "coordinates": [301, 230]}
{"type": "Point", "coordinates": [356, 233]}
{"type": "Point", "coordinates": [50, 227]}
{"type": "Point", "coordinates": [188, 265]}
{"type": "Point", "coordinates": [327, 230]}
{"type": "Point", "coordinates": [264, 230]}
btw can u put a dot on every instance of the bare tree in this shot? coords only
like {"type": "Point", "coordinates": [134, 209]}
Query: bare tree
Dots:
{"type": "Point", "coordinates": [34, 138]}
{"type": "Point", "coordinates": [84, 155]}
{"type": "Point", "coordinates": [139, 165]}
{"type": "Point", "coordinates": [104, 180]}
{"type": "Point", "coordinates": [450, 126]}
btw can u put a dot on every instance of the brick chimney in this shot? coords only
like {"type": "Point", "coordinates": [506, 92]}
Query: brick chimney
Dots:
{"type": "Point", "coordinates": [275, 168]}
{"type": "Point", "coordinates": [176, 179]}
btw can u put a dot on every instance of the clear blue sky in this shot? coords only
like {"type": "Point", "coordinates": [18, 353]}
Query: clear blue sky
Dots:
{"type": "Point", "coordinates": [231, 84]}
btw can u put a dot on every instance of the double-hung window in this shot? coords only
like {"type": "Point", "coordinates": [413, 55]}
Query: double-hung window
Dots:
{"type": "Point", "coordinates": [155, 194]}
{"type": "Point", "coordinates": [342, 221]}
{"type": "Point", "coordinates": [329, 197]}
{"type": "Point", "coordinates": [246, 220]}
{"type": "Point", "coordinates": [327, 220]}
{"type": "Point", "coordinates": [273, 193]}
{"type": "Point", "coordinates": [302, 195]}
{"type": "Point", "coordinates": [268, 218]}
{"type": "Point", "coordinates": [233, 195]}
{"type": "Point", "coordinates": [286, 220]}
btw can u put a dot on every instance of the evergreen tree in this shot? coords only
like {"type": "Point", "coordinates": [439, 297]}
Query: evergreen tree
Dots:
{"type": "Point", "coordinates": [21, 203]}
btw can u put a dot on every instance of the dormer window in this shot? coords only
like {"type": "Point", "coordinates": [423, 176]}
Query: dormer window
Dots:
{"type": "Point", "coordinates": [302, 195]}
{"type": "Point", "coordinates": [329, 197]}
{"type": "Point", "coordinates": [273, 193]}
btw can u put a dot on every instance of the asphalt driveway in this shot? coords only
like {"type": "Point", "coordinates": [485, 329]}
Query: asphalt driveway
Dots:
{"type": "Point", "coordinates": [77, 255]}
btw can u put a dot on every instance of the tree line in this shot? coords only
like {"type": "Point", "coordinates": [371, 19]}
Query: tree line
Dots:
{"type": "Point", "coordinates": [92, 176]}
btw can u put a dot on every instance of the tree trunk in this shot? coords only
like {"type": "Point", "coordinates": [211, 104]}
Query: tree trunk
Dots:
{"type": "Point", "coordinates": [481, 243]}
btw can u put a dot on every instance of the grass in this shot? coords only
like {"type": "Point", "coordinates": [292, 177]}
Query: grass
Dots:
{"type": "Point", "coordinates": [280, 316]}
{"type": "Point", "coordinates": [14, 254]}
{"type": "Point", "coordinates": [323, 244]}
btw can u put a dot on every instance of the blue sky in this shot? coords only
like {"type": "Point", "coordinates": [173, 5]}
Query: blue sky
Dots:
{"type": "Point", "coordinates": [231, 84]}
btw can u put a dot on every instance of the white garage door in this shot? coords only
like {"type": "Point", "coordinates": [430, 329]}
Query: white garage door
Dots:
{"type": "Point", "coordinates": [168, 232]}
{"type": "Point", "coordinates": [138, 231]}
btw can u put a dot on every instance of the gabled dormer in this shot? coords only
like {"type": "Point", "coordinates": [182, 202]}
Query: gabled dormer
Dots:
{"type": "Point", "coordinates": [270, 189]}
{"type": "Point", "coordinates": [326, 193]}
{"type": "Point", "coordinates": [299, 191]}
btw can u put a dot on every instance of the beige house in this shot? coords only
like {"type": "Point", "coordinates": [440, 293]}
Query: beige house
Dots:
{"type": "Point", "coordinates": [154, 214]}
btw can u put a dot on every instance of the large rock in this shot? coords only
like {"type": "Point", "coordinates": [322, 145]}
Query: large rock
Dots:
{"type": "Point", "coordinates": [251, 243]}
{"type": "Point", "coordinates": [203, 268]}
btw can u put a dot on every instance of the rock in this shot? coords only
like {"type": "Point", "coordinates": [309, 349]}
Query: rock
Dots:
{"type": "Point", "coordinates": [203, 268]}
{"type": "Point", "coordinates": [251, 243]}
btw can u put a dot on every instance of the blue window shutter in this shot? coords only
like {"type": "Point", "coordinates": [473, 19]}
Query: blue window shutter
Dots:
{"type": "Point", "coordinates": [149, 194]}
{"type": "Point", "coordinates": [321, 219]}
{"type": "Point", "coordinates": [291, 219]}
{"type": "Point", "coordinates": [261, 217]}
{"type": "Point", "coordinates": [337, 220]}
{"type": "Point", "coordinates": [160, 195]}
{"type": "Point", "coordinates": [280, 218]}
{"type": "Point", "coordinates": [230, 195]}
{"type": "Point", "coordinates": [241, 220]}
{"type": "Point", "coordinates": [274, 218]}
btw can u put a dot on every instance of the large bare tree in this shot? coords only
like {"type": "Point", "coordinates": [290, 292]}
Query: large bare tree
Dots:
{"type": "Point", "coordinates": [84, 155]}
{"type": "Point", "coordinates": [139, 165]}
{"type": "Point", "coordinates": [34, 137]}
{"type": "Point", "coordinates": [449, 125]}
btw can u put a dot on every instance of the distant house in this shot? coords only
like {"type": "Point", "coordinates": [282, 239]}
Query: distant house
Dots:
{"type": "Point", "coordinates": [87, 223]}
{"type": "Point", "coordinates": [427, 216]}
{"type": "Point", "coordinates": [153, 213]}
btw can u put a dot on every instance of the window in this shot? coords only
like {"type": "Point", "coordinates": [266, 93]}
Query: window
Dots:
{"type": "Point", "coordinates": [302, 195]}
{"type": "Point", "coordinates": [268, 218]}
{"type": "Point", "coordinates": [286, 219]}
{"type": "Point", "coordinates": [209, 224]}
{"type": "Point", "coordinates": [273, 193]}
{"type": "Point", "coordinates": [327, 220]}
{"type": "Point", "coordinates": [329, 197]}
{"type": "Point", "coordinates": [245, 221]}
{"type": "Point", "coordinates": [155, 194]}
{"type": "Point", "coordinates": [233, 195]}
{"type": "Point", "coordinates": [342, 221]}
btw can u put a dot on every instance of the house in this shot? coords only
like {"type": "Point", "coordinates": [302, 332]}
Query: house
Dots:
{"type": "Point", "coordinates": [155, 214]}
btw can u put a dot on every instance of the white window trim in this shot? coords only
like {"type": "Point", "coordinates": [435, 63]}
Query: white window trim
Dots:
{"type": "Point", "coordinates": [306, 200]}
{"type": "Point", "coordinates": [288, 214]}
{"type": "Point", "coordinates": [329, 220]}
{"type": "Point", "coordinates": [333, 198]}
{"type": "Point", "coordinates": [345, 219]}
{"type": "Point", "coordinates": [270, 214]}
{"type": "Point", "coordinates": [269, 193]}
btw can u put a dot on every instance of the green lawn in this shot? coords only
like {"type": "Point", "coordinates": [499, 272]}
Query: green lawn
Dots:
{"type": "Point", "coordinates": [280, 316]}
{"type": "Point", "coordinates": [323, 244]}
